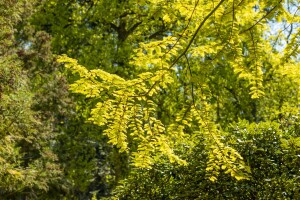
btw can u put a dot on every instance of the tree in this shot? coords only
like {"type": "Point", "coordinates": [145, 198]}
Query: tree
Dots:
{"type": "Point", "coordinates": [175, 74]}
{"type": "Point", "coordinates": [29, 168]}
{"type": "Point", "coordinates": [128, 106]}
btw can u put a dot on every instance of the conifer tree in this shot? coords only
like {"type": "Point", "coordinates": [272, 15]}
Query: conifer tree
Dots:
{"type": "Point", "coordinates": [29, 168]}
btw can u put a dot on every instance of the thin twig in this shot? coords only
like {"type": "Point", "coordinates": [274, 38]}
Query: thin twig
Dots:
{"type": "Point", "coordinates": [196, 33]}
{"type": "Point", "coordinates": [266, 15]}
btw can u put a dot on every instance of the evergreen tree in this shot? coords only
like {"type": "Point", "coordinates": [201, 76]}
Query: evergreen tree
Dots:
{"type": "Point", "coordinates": [29, 168]}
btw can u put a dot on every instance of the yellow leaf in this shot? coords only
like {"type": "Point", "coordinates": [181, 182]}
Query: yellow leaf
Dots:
{"type": "Point", "coordinates": [166, 18]}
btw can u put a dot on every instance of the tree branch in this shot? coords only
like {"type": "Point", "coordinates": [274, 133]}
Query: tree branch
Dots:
{"type": "Point", "coordinates": [269, 12]}
{"type": "Point", "coordinates": [196, 33]}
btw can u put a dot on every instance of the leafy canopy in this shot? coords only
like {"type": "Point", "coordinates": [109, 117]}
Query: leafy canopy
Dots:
{"type": "Point", "coordinates": [203, 56]}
